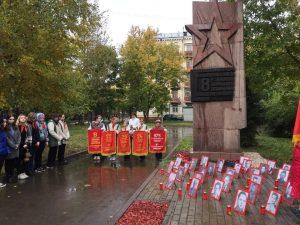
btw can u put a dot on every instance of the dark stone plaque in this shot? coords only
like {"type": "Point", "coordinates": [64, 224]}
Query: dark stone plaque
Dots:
{"type": "Point", "coordinates": [209, 85]}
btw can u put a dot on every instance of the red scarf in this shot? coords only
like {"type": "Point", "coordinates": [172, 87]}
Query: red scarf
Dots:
{"type": "Point", "coordinates": [22, 128]}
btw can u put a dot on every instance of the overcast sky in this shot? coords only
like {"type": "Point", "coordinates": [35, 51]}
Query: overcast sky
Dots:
{"type": "Point", "coordinates": [166, 15]}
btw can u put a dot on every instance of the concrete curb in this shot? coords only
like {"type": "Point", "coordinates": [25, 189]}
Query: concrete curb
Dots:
{"type": "Point", "coordinates": [119, 214]}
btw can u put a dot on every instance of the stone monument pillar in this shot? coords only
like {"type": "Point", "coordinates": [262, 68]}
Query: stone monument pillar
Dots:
{"type": "Point", "coordinates": [218, 79]}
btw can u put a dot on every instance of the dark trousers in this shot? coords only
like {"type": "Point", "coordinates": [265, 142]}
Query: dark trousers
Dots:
{"type": "Point", "coordinates": [30, 165]}
{"type": "Point", "coordinates": [22, 164]}
{"type": "Point", "coordinates": [158, 156]}
{"type": "Point", "coordinates": [2, 159]}
{"type": "Point", "coordinates": [38, 154]}
{"type": "Point", "coordinates": [61, 153]}
{"type": "Point", "coordinates": [10, 167]}
{"type": "Point", "coordinates": [52, 156]}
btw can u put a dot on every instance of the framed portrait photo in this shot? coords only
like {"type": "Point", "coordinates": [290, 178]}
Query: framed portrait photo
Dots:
{"type": "Point", "coordinates": [272, 165]}
{"type": "Point", "coordinates": [186, 168]}
{"type": "Point", "coordinates": [230, 171]}
{"type": "Point", "coordinates": [202, 170]}
{"type": "Point", "coordinates": [199, 176]}
{"type": "Point", "coordinates": [240, 201]}
{"type": "Point", "coordinates": [286, 166]}
{"type": "Point", "coordinates": [220, 164]}
{"type": "Point", "coordinates": [247, 164]}
{"type": "Point", "coordinates": [253, 171]}
{"type": "Point", "coordinates": [180, 174]}
{"type": "Point", "coordinates": [204, 161]}
{"type": "Point", "coordinates": [193, 165]}
{"type": "Point", "coordinates": [177, 163]}
{"type": "Point", "coordinates": [211, 169]}
{"type": "Point", "coordinates": [227, 179]}
{"type": "Point", "coordinates": [263, 168]}
{"type": "Point", "coordinates": [282, 176]}
{"type": "Point", "coordinates": [287, 197]}
{"type": "Point", "coordinates": [256, 179]}
{"type": "Point", "coordinates": [237, 169]}
{"type": "Point", "coordinates": [242, 158]}
{"type": "Point", "coordinates": [194, 187]}
{"type": "Point", "coordinates": [171, 180]}
{"type": "Point", "coordinates": [170, 167]}
{"type": "Point", "coordinates": [216, 190]}
{"type": "Point", "coordinates": [273, 202]}
{"type": "Point", "coordinates": [254, 189]}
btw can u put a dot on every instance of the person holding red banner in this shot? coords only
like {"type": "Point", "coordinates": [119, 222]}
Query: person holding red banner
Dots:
{"type": "Point", "coordinates": [98, 124]}
{"type": "Point", "coordinates": [114, 126]}
{"type": "Point", "coordinates": [126, 127]}
{"type": "Point", "coordinates": [158, 126]}
{"type": "Point", "coordinates": [142, 127]}
{"type": "Point", "coordinates": [295, 167]}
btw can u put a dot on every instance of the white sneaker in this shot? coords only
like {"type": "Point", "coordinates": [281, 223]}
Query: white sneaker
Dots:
{"type": "Point", "coordinates": [22, 176]}
{"type": "Point", "coordinates": [2, 185]}
{"type": "Point", "coordinates": [98, 157]}
{"type": "Point", "coordinates": [25, 175]}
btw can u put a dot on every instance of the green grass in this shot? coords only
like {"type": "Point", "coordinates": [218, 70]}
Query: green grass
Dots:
{"type": "Point", "coordinates": [279, 149]}
{"type": "Point", "coordinates": [174, 123]}
{"type": "Point", "coordinates": [78, 140]}
{"type": "Point", "coordinates": [185, 145]}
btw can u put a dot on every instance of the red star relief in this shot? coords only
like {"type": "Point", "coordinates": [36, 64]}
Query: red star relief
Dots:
{"type": "Point", "coordinates": [213, 37]}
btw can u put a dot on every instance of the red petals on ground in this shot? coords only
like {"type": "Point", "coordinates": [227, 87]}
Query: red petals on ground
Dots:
{"type": "Point", "coordinates": [144, 213]}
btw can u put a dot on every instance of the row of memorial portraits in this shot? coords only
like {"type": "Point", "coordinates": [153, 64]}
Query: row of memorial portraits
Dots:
{"type": "Point", "coordinates": [242, 197]}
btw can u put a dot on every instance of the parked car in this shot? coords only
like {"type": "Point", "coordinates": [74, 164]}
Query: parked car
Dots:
{"type": "Point", "coordinates": [172, 117]}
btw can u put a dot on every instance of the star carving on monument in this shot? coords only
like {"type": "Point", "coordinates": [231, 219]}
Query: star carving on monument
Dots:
{"type": "Point", "coordinates": [213, 37]}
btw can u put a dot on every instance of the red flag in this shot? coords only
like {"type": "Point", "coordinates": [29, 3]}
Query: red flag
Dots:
{"type": "Point", "coordinates": [94, 141]}
{"type": "Point", "coordinates": [296, 134]}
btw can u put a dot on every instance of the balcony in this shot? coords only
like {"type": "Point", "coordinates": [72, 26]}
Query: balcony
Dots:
{"type": "Point", "coordinates": [175, 100]}
{"type": "Point", "coordinates": [188, 53]}
{"type": "Point", "coordinates": [187, 83]}
{"type": "Point", "coordinates": [187, 99]}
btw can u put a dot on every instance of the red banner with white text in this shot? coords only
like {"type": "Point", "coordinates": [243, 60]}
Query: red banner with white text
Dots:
{"type": "Point", "coordinates": [158, 140]}
{"type": "Point", "coordinates": [94, 141]}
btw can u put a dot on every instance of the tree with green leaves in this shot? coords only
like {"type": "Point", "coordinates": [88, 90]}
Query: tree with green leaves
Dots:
{"type": "Point", "coordinates": [272, 51]}
{"type": "Point", "coordinates": [149, 70]}
{"type": "Point", "coordinates": [42, 44]}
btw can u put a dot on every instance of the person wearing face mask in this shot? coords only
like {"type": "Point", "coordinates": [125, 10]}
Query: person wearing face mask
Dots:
{"type": "Point", "coordinates": [55, 139]}
{"type": "Point", "coordinates": [3, 147]}
{"type": "Point", "coordinates": [26, 140]}
{"type": "Point", "coordinates": [13, 138]}
{"type": "Point", "coordinates": [41, 144]}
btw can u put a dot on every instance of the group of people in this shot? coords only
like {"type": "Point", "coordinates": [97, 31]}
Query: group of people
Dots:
{"type": "Point", "coordinates": [133, 124]}
{"type": "Point", "coordinates": [23, 141]}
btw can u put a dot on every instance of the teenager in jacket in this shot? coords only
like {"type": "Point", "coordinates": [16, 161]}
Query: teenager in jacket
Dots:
{"type": "Point", "coordinates": [26, 140]}
{"type": "Point", "coordinates": [13, 138]}
{"type": "Point", "coordinates": [55, 139]}
{"type": "Point", "coordinates": [41, 144]}
{"type": "Point", "coordinates": [66, 135]}
{"type": "Point", "coordinates": [34, 130]}
{"type": "Point", "coordinates": [3, 147]}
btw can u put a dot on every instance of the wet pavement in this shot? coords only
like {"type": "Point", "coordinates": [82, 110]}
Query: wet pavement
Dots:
{"type": "Point", "coordinates": [80, 193]}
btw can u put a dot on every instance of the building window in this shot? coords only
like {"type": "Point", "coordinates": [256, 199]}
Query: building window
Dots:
{"type": "Point", "coordinates": [189, 64]}
{"type": "Point", "coordinates": [174, 94]}
{"type": "Point", "coordinates": [188, 47]}
{"type": "Point", "coordinates": [187, 92]}
{"type": "Point", "coordinates": [175, 109]}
